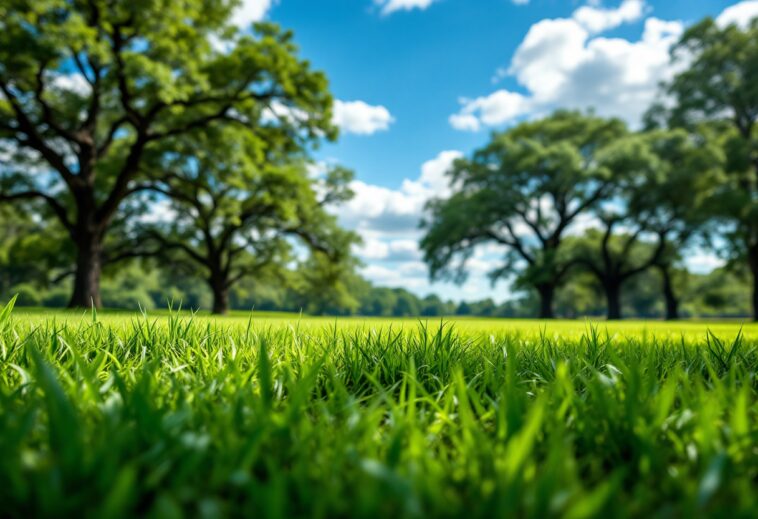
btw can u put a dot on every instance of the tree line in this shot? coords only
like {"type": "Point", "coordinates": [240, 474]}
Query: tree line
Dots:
{"type": "Point", "coordinates": [158, 132]}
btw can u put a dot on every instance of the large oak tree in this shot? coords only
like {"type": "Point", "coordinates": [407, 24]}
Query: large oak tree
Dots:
{"type": "Point", "coordinates": [672, 197]}
{"type": "Point", "coordinates": [523, 190]}
{"type": "Point", "coordinates": [241, 205]}
{"type": "Point", "coordinates": [88, 87]}
{"type": "Point", "coordinates": [720, 84]}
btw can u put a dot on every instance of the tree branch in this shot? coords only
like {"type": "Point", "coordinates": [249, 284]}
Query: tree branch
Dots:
{"type": "Point", "coordinates": [57, 208]}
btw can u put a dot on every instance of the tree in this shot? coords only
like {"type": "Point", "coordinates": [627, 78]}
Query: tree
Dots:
{"type": "Point", "coordinates": [237, 202]}
{"type": "Point", "coordinates": [522, 191]}
{"type": "Point", "coordinates": [328, 286]}
{"type": "Point", "coordinates": [660, 189]}
{"type": "Point", "coordinates": [433, 306]}
{"type": "Point", "coordinates": [380, 301]}
{"type": "Point", "coordinates": [614, 259]}
{"type": "Point", "coordinates": [89, 87]}
{"type": "Point", "coordinates": [720, 83]}
{"type": "Point", "coordinates": [670, 195]}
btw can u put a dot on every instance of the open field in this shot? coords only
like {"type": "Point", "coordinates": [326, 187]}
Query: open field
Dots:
{"type": "Point", "coordinates": [120, 414]}
{"type": "Point", "coordinates": [697, 329]}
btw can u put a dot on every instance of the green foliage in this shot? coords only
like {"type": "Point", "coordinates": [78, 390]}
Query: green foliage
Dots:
{"type": "Point", "coordinates": [243, 206]}
{"type": "Point", "coordinates": [89, 89]}
{"type": "Point", "coordinates": [523, 191]}
{"type": "Point", "coordinates": [184, 417]}
{"type": "Point", "coordinates": [718, 90]}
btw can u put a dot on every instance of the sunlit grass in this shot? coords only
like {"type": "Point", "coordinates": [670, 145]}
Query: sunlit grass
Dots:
{"type": "Point", "coordinates": [558, 327]}
{"type": "Point", "coordinates": [114, 415]}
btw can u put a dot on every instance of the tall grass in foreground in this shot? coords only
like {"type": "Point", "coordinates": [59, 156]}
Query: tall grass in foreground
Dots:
{"type": "Point", "coordinates": [181, 418]}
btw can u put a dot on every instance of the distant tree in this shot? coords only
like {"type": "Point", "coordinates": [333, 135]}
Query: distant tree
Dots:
{"type": "Point", "coordinates": [432, 306]}
{"type": "Point", "coordinates": [88, 88]}
{"type": "Point", "coordinates": [380, 301]}
{"type": "Point", "coordinates": [720, 83]}
{"type": "Point", "coordinates": [669, 192]}
{"type": "Point", "coordinates": [464, 308]}
{"type": "Point", "coordinates": [580, 296]}
{"type": "Point", "coordinates": [721, 293]}
{"type": "Point", "coordinates": [523, 191]}
{"type": "Point", "coordinates": [484, 308]}
{"type": "Point", "coordinates": [660, 189]}
{"type": "Point", "coordinates": [406, 304]}
{"type": "Point", "coordinates": [240, 205]}
{"type": "Point", "coordinates": [614, 258]}
{"type": "Point", "coordinates": [329, 284]}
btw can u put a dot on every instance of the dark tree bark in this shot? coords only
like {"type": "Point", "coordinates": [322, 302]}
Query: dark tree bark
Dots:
{"type": "Point", "coordinates": [547, 294]}
{"type": "Point", "coordinates": [612, 288]}
{"type": "Point", "coordinates": [669, 294]}
{"type": "Point", "coordinates": [220, 297]}
{"type": "Point", "coordinates": [89, 265]}
{"type": "Point", "coordinates": [753, 264]}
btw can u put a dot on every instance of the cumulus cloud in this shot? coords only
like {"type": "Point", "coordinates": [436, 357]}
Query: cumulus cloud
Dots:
{"type": "Point", "coordinates": [597, 19]}
{"type": "Point", "coordinates": [361, 118]}
{"type": "Point", "coordinates": [397, 211]}
{"type": "Point", "coordinates": [491, 110]}
{"type": "Point", "coordinates": [391, 6]}
{"type": "Point", "coordinates": [565, 63]}
{"type": "Point", "coordinates": [739, 14]}
{"type": "Point", "coordinates": [388, 222]}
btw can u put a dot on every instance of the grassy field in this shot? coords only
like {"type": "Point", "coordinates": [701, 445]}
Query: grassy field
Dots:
{"type": "Point", "coordinates": [173, 415]}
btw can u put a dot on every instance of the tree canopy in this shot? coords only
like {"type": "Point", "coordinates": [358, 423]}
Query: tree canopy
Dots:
{"type": "Point", "coordinates": [239, 205]}
{"type": "Point", "coordinates": [522, 191]}
{"type": "Point", "coordinates": [719, 85]}
{"type": "Point", "coordinates": [89, 87]}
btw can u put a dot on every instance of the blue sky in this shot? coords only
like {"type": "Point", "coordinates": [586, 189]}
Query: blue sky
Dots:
{"type": "Point", "coordinates": [420, 82]}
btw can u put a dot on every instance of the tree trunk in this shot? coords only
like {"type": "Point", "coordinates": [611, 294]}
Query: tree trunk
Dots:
{"type": "Point", "coordinates": [669, 295]}
{"type": "Point", "coordinates": [220, 296]}
{"type": "Point", "coordinates": [89, 266]}
{"type": "Point", "coordinates": [613, 299]}
{"type": "Point", "coordinates": [753, 263]}
{"type": "Point", "coordinates": [546, 292]}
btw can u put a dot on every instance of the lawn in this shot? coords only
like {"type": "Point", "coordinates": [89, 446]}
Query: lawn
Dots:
{"type": "Point", "coordinates": [171, 415]}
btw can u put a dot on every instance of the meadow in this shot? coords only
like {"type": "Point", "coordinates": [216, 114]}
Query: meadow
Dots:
{"type": "Point", "coordinates": [171, 414]}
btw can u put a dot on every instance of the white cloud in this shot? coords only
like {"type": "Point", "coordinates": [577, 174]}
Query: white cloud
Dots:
{"type": "Point", "coordinates": [434, 181]}
{"type": "Point", "coordinates": [563, 63]}
{"type": "Point", "coordinates": [520, 2]}
{"type": "Point", "coordinates": [391, 6]}
{"type": "Point", "coordinates": [388, 222]}
{"type": "Point", "coordinates": [491, 110]}
{"type": "Point", "coordinates": [250, 11]}
{"type": "Point", "coordinates": [739, 14]}
{"type": "Point", "coordinates": [465, 122]}
{"type": "Point", "coordinates": [361, 118]}
{"type": "Point", "coordinates": [597, 19]}
{"type": "Point", "coordinates": [397, 211]}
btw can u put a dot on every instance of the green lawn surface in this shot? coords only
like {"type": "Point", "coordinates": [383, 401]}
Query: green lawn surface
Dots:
{"type": "Point", "coordinates": [120, 414]}
{"type": "Point", "coordinates": [555, 327]}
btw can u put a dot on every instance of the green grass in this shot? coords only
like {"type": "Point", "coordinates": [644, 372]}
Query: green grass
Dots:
{"type": "Point", "coordinates": [116, 415]}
